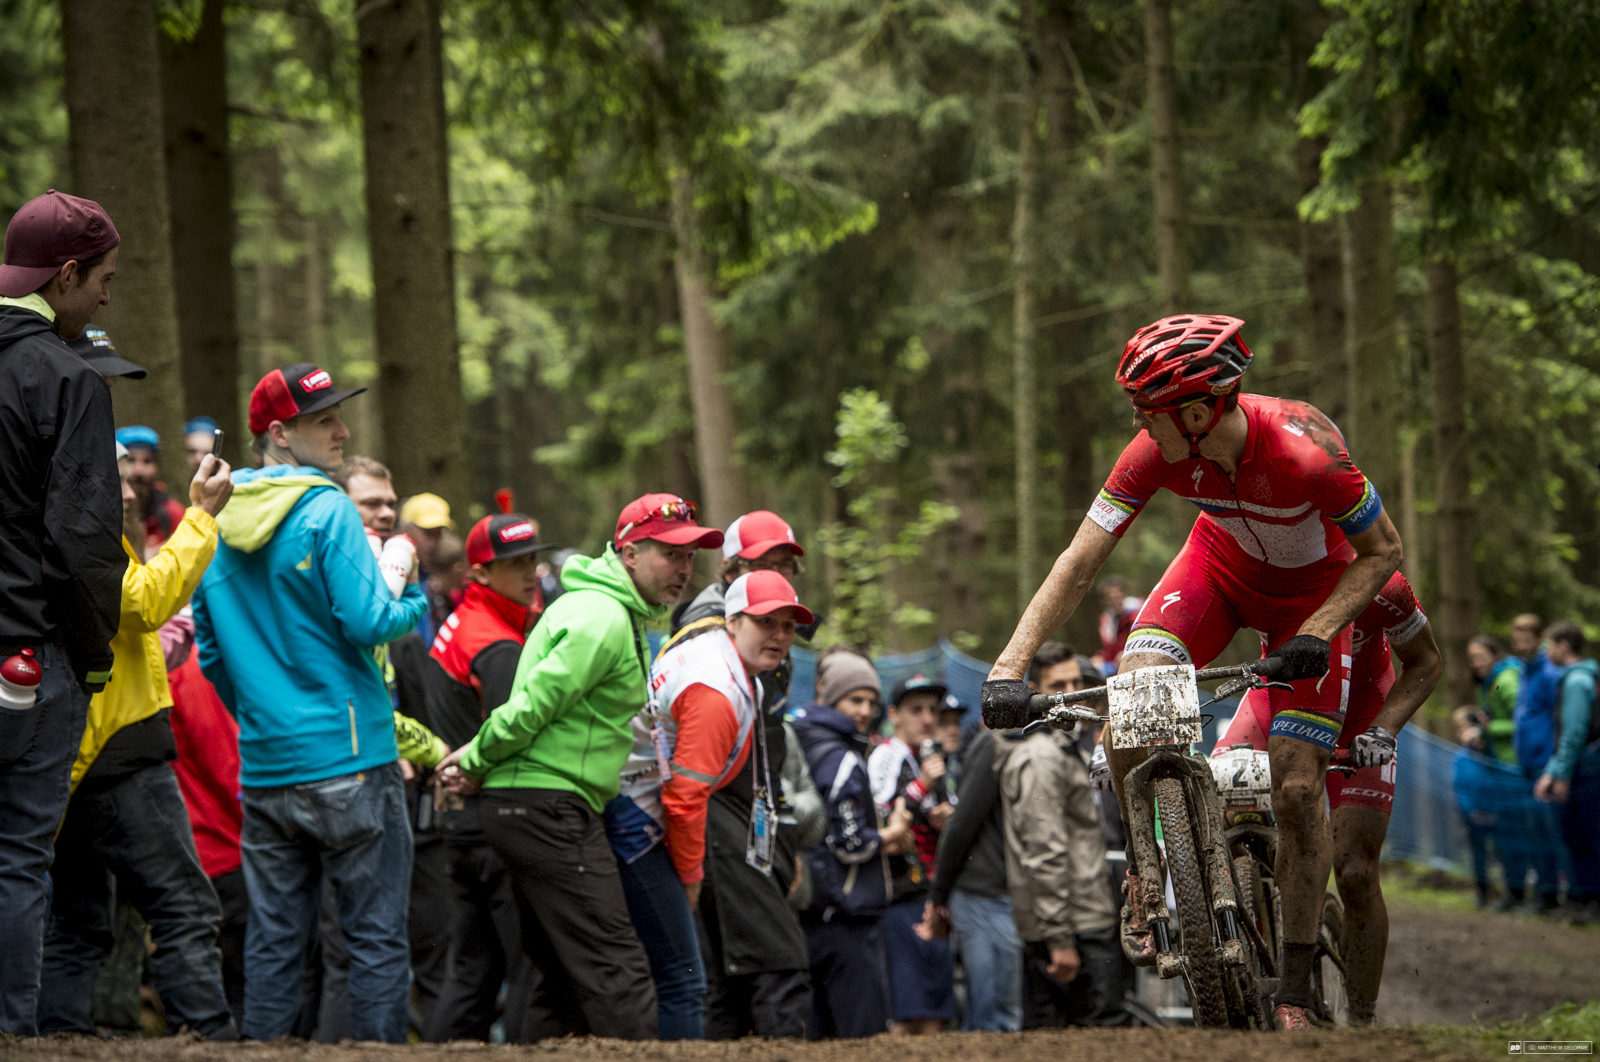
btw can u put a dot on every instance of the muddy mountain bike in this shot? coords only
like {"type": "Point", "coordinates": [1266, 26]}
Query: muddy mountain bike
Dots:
{"type": "Point", "coordinates": [1244, 783]}
{"type": "Point", "coordinates": [1227, 963]}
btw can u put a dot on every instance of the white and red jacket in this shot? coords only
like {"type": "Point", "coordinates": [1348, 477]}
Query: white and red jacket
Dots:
{"type": "Point", "coordinates": [706, 705]}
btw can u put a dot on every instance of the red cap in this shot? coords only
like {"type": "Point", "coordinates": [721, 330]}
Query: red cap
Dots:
{"type": "Point", "coordinates": [665, 518]}
{"type": "Point", "coordinates": [48, 232]}
{"type": "Point", "coordinates": [755, 533]}
{"type": "Point", "coordinates": [759, 593]}
{"type": "Point", "coordinates": [284, 394]}
{"type": "Point", "coordinates": [502, 536]}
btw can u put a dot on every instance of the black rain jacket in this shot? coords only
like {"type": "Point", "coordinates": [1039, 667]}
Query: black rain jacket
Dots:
{"type": "Point", "coordinates": [61, 558]}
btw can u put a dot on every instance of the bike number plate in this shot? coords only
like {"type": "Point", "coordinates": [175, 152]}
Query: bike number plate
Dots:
{"type": "Point", "coordinates": [1154, 706]}
{"type": "Point", "coordinates": [1244, 781]}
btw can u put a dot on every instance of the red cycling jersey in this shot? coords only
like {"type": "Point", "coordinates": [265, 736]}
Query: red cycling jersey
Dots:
{"type": "Point", "coordinates": [1292, 501]}
{"type": "Point", "coordinates": [1267, 550]}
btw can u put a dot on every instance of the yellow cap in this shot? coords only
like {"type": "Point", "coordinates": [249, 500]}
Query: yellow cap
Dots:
{"type": "Point", "coordinates": [426, 511]}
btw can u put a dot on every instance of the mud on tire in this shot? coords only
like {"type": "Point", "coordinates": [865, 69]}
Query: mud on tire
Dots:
{"type": "Point", "coordinates": [1201, 959]}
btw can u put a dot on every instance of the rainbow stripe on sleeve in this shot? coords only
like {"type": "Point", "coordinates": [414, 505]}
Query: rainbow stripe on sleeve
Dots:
{"type": "Point", "coordinates": [1113, 511]}
{"type": "Point", "coordinates": [1361, 515]}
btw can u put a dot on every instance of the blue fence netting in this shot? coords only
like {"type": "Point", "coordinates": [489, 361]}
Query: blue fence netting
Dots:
{"type": "Point", "coordinates": [1452, 806]}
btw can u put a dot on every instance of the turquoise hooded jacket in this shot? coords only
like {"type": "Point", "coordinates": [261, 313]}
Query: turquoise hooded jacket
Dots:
{"type": "Point", "coordinates": [286, 619]}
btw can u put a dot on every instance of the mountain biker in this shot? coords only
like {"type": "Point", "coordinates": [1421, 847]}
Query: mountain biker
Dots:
{"type": "Point", "coordinates": [1291, 541]}
{"type": "Point", "coordinates": [1361, 800]}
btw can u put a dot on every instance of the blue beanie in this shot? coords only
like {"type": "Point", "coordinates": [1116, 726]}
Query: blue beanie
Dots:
{"type": "Point", "coordinates": [200, 424]}
{"type": "Point", "coordinates": [139, 435]}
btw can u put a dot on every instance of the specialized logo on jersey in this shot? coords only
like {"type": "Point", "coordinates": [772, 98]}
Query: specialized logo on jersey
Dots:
{"type": "Point", "coordinates": [1170, 600]}
{"type": "Point", "coordinates": [1199, 470]}
{"type": "Point", "coordinates": [1160, 642]}
{"type": "Point", "coordinates": [1111, 511]}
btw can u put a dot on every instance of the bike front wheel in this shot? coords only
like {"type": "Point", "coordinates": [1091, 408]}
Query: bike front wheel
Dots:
{"type": "Point", "coordinates": [1201, 959]}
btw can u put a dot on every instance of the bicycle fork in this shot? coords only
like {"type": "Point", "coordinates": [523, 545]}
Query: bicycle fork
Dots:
{"type": "Point", "coordinates": [1139, 814]}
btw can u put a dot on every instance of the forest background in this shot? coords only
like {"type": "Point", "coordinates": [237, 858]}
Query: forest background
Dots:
{"type": "Point", "coordinates": [867, 263]}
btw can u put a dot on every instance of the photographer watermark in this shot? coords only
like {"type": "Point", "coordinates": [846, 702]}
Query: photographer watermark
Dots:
{"type": "Point", "coordinates": [1550, 1047]}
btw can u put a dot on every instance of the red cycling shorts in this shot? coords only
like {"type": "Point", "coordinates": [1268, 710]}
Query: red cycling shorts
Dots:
{"type": "Point", "coordinates": [1367, 787]}
{"type": "Point", "coordinates": [1203, 599]}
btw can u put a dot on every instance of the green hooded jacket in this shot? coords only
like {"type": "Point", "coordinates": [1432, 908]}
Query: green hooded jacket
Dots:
{"type": "Point", "coordinates": [582, 677]}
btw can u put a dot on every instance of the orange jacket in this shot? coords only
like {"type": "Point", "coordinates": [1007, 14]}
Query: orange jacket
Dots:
{"type": "Point", "coordinates": [703, 761]}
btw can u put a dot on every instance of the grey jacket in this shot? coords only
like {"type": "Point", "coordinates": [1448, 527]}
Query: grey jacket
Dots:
{"type": "Point", "coordinates": [1055, 854]}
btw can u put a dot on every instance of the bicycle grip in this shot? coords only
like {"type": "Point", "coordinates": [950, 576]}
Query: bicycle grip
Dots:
{"type": "Point", "coordinates": [1269, 665]}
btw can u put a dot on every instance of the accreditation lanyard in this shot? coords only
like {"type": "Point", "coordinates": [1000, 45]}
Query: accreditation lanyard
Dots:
{"type": "Point", "coordinates": [763, 816]}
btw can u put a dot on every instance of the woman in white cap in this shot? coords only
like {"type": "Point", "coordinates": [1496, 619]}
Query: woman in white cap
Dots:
{"type": "Point", "coordinates": [693, 737]}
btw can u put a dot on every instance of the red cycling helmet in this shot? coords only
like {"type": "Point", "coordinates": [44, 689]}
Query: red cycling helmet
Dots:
{"type": "Point", "coordinates": [1178, 361]}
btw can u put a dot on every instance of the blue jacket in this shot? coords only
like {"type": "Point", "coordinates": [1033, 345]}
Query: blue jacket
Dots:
{"type": "Point", "coordinates": [849, 868]}
{"type": "Point", "coordinates": [1534, 736]}
{"type": "Point", "coordinates": [286, 619]}
{"type": "Point", "coordinates": [1577, 718]}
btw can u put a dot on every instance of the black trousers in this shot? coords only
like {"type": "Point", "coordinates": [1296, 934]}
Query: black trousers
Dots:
{"type": "Point", "coordinates": [1094, 997]}
{"type": "Point", "coordinates": [773, 1006]}
{"type": "Point", "coordinates": [230, 939]}
{"type": "Point", "coordinates": [849, 983]}
{"type": "Point", "coordinates": [428, 922]}
{"type": "Point", "coordinates": [485, 946]}
{"type": "Point", "coordinates": [593, 973]}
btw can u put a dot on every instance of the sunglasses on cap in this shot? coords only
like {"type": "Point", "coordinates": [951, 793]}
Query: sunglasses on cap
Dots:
{"type": "Point", "coordinates": [683, 511]}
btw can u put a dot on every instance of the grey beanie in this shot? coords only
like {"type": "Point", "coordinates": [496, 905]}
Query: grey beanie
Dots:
{"type": "Point", "coordinates": [844, 673]}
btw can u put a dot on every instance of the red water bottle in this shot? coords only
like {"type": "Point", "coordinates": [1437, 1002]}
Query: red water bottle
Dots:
{"type": "Point", "coordinates": [19, 681]}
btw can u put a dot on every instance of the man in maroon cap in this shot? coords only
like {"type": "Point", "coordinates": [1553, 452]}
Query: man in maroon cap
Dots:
{"type": "Point", "coordinates": [550, 758]}
{"type": "Point", "coordinates": [61, 559]}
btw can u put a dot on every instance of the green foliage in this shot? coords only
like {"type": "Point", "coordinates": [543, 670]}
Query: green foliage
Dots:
{"type": "Point", "coordinates": [867, 547]}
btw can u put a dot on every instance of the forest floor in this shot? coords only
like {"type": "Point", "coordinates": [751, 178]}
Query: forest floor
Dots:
{"type": "Point", "coordinates": [1458, 985]}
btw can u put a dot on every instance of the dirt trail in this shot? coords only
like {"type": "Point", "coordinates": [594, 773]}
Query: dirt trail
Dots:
{"type": "Point", "coordinates": [1460, 967]}
{"type": "Point", "coordinates": [1070, 1045]}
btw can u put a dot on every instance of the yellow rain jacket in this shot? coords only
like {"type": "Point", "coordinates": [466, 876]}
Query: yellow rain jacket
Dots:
{"type": "Point", "coordinates": [151, 594]}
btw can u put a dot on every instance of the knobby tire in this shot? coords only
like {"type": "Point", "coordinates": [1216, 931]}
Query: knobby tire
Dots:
{"type": "Point", "coordinates": [1201, 960]}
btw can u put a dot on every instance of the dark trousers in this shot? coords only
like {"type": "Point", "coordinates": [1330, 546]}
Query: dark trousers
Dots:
{"type": "Point", "coordinates": [1094, 997]}
{"type": "Point", "coordinates": [1580, 825]}
{"type": "Point", "coordinates": [37, 748]}
{"type": "Point", "coordinates": [235, 902]}
{"type": "Point", "coordinates": [431, 916]}
{"type": "Point", "coordinates": [773, 1006]}
{"type": "Point", "coordinates": [849, 983]}
{"type": "Point", "coordinates": [485, 937]}
{"type": "Point", "coordinates": [131, 838]}
{"type": "Point", "coordinates": [594, 975]}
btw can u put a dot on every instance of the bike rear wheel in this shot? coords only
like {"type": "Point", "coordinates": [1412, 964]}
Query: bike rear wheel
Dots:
{"type": "Point", "coordinates": [1251, 888]}
{"type": "Point", "coordinates": [1327, 968]}
{"type": "Point", "coordinates": [1202, 963]}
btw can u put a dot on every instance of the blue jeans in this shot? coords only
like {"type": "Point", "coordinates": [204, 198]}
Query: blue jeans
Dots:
{"type": "Point", "coordinates": [352, 830]}
{"type": "Point", "coordinates": [135, 833]}
{"type": "Point", "coordinates": [985, 936]}
{"type": "Point", "coordinates": [661, 917]}
{"type": "Point", "coordinates": [37, 748]}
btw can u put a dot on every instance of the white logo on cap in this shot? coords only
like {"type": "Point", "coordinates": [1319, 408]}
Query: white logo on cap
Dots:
{"type": "Point", "coordinates": [515, 532]}
{"type": "Point", "coordinates": [316, 381]}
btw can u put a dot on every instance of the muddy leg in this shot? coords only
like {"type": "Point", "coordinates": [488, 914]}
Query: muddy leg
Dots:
{"type": "Point", "coordinates": [1357, 841]}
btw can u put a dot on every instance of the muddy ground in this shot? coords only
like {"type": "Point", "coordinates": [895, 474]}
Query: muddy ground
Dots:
{"type": "Point", "coordinates": [1465, 967]}
{"type": "Point", "coordinates": [1445, 967]}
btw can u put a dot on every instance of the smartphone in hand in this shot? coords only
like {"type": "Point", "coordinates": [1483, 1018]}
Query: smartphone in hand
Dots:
{"type": "Point", "coordinates": [216, 443]}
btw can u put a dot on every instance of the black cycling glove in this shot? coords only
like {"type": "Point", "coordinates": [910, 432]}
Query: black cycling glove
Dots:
{"type": "Point", "coordinates": [1005, 703]}
{"type": "Point", "coordinates": [1305, 656]}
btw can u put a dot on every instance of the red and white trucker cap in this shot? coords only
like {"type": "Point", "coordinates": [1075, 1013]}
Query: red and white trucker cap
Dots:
{"type": "Point", "coordinates": [759, 593]}
{"type": "Point", "coordinates": [755, 533]}
{"type": "Point", "coordinates": [503, 536]}
{"type": "Point", "coordinates": [287, 393]}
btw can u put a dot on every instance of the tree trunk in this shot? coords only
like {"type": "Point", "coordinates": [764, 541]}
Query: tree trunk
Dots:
{"type": "Point", "coordinates": [705, 346]}
{"type": "Point", "coordinates": [1024, 265]}
{"type": "Point", "coordinates": [1322, 260]}
{"type": "Point", "coordinates": [1166, 158]}
{"type": "Point", "coordinates": [1371, 424]}
{"type": "Point", "coordinates": [194, 101]}
{"type": "Point", "coordinates": [409, 231]}
{"type": "Point", "coordinates": [113, 93]}
{"type": "Point", "coordinates": [1458, 579]}
{"type": "Point", "coordinates": [1407, 521]}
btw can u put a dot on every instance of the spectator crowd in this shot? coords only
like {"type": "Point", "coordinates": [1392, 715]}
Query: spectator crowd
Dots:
{"type": "Point", "coordinates": [298, 760]}
{"type": "Point", "coordinates": [1535, 718]}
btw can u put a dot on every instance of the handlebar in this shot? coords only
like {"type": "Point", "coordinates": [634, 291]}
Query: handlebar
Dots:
{"type": "Point", "coordinates": [1263, 668]}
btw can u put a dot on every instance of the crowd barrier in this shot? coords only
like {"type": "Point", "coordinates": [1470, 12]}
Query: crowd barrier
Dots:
{"type": "Point", "coordinates": [1438, 786]}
